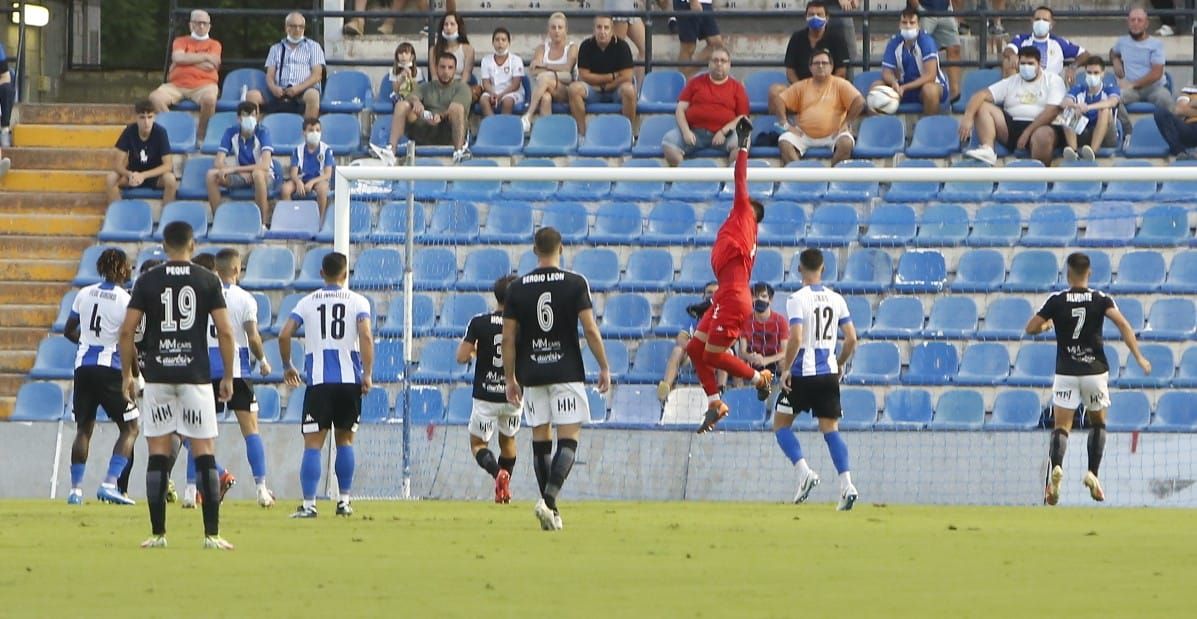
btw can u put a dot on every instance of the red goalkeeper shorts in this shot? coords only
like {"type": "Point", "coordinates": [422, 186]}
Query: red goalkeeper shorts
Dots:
{"type": "Point", "coordinates": [728, 313]}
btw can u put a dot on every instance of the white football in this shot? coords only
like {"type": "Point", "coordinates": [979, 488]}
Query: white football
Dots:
{"type": "Point", "coordinates": [883, 100]}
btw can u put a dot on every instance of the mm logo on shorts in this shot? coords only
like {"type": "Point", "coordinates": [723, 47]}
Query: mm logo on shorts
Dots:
{"type": "Point", "coordinates": [1095, 398]}
{"type": "Point", "coordinates": [567, 405]}
{"type": "Point", "coordinates": [1064, 395]}
{"type": "Point", "coordinates": [191, 416]}
{"type": "Point", "coordinates": [160, 414]}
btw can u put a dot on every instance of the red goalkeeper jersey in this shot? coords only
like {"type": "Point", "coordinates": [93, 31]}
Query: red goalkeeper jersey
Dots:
{"type": "Point", "coordinates": [735, 245]}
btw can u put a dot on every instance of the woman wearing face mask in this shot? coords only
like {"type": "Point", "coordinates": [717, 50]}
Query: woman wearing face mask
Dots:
{"type": "Point", "coordinates": [554, 64]}
{"type": "Point", "coordinates": [451, 38]}
{"type": "Point", "coordinates": [312, 166]}
{"type": "Point", "coordinates": [405, 73]}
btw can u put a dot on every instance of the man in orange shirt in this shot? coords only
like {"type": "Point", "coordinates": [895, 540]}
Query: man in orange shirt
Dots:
{"type": "Point", "coordinates": [825, 107]}
{"type": "Point", "coordinates": [194, 62]}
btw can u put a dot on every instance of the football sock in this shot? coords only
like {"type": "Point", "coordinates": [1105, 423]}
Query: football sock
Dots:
{"type": "Point", "coordinates": [789, 444]}
{"type": "Point", "coordinates": [116, 466]}
{"type": "Point", "coordinates": [486, 460]}
{"type": "Point", "coordinates": [1097, 446]}
{"type": "Point", "coordinates": [344, 465]}
{"type": "Point", "coordinates": [157, 471]}
{"type": "Point", "coordinates": [309, 473]}
{"type": "Point", "coordinates": [209, 488]}
{"type": "Point", "coordinates": [122, 482]}
{"type": "Point", "coordinates": [729, 363]}
{"type": "Point", "coordinates": [706, 374]}
{"type": "Point", "coordinates": [190, 464]}
{"type": "Point", "coordinates": [563, 462]}
{"type": "Point", "coordinates": [838, 450]}
{"type": "Point", "coordinates": [507, 464]}
{"type": "Point", "coordinates": [255, 452]}
{"type": "Point", "coordinates": [1059, 445]}
{"type": "Point", "coordinates": [542, 462]}
{"type": "Point", "coordinates": [77, 471]}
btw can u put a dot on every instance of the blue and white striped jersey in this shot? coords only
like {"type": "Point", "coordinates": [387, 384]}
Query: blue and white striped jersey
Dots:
{"type": "Point", "coordinates": [242, 308]}
{"type": "Point", "coordinates": [821, 312]}
{"type": "Point", "coordinates": [331, 350]}
{"type": "Point", "coordinates": [100, 310]}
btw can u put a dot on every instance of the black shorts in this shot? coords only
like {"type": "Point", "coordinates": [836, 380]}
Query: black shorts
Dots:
{"type": "Point", "coordinates": [818, 394]}
{"type": "Point", "coordinates": [1014, 129]}
{"type": "Point", "coordinates": [243, 397]}
{"type": "Point", "coordinates": [97, 386]}
{"type": "Point", "coordinates": [333, 405]}
{"type": "Point", "coordinates": [694, 27]}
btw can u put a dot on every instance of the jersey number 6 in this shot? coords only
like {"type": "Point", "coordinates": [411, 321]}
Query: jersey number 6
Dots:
{"type": "Point", "coordinates": [544, 312]}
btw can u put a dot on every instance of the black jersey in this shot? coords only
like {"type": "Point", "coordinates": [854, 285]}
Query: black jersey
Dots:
{"type": "Point", "coordinates": [546, 303]}
{"type": "Point", "coordinates": [486, 334]}
{"type": "Point", "coordinates": [1078, 316]}
{"type": "Point", "coordinates": [177, 299]}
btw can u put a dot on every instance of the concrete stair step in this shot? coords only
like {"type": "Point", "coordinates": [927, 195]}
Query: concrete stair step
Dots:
{"type": "Point", "coordinates": [6, 406]}
{"type": "Point", "coordinates": [77, 136]}
{"type": "Point", "coordinates": [37, 271]}
{"type": "Point", "coordinates": [53, 203]}
{"type": "Point", "coordinates": [16, 362]}
{"type": "Point", "coordinates": [51, 225]}
{"type": "Point", "coordinates": [27, 158]}
{"type": "Point", "coordinates": [40, 316]}
{"type": "Point", "coordinates": [76, 114]}
{"type": "Point", "coordinates": [53, 180]}
{"type": "Point", "coordinates": [43, 247]}
{"type": "Point", "coordinates": [32, 293]}
{"type": "Point", "coordinates": [20, 338]}
{"type": "Point", "coordinates": [10, 384]}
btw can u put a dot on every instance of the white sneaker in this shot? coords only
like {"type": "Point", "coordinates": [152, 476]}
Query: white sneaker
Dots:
{"type": "Point", "coordinates": [6, 138]}
{"type": "Point", "coordinates": [1164, 31]}
{"type": "Point", "coordinates": [545, 516]}
{"type": "Point", "coordinates": [527, 123]}
{"type": "Point", "coordinates": [1094, 485]}
{"type": "Point", "coordinates": [1051, 494]}
{"type": "Point", "coordinates": [805, 485]}
{"type": "Point", "coordinates": [983, 154]}
{"type": "Point", "coordinates": [384, 154]}
{"type": "Point", "coordinates": [461, 154]}
{"type": "Point", "coordinates": [265, 497]}
{"type": "Point", "coordinates": [1070, 154]}
{"type": "Point", "coordinates": [847, 498]}
{"type": "Point", "coordinates": [188, 501]}
{"type": "Point", "coordinates": [1087, 153]}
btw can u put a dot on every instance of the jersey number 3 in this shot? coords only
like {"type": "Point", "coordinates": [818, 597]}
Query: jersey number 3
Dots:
{"type": "Point", "coordinates": [336, 327]}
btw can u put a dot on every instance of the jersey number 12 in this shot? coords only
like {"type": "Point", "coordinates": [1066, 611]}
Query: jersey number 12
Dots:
{"type": "Point", "coordinates": [823, 321]}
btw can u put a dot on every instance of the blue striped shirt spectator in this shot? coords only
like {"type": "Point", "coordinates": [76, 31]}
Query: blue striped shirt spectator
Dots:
{"type": "Point", "coordinates": [294, 68]}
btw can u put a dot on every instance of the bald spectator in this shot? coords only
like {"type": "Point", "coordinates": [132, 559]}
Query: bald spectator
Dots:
{"type": "Point", "coordinates": [604, 73]}
{"type": "Point", "coordinates": [193, 75]}
{"type": "Point", "coordinates": [825, 106]}
{"type": "Point", "coordinates": [294, 68]}
{"type": "Point", "coordinates": [707, 111]}
{"type": "Point", "coordinates": [1138, 61]}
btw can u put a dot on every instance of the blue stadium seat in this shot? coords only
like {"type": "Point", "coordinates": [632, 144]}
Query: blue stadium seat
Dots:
{"type": "Point", "coordinates": [974, 81]}
{"type": "Point", "coordinates": [269, 406]}
{"type": "Point", "coordinates": [768, 267]}
{"type": "Point", "coordinates": [635, 406]}
{"type": "Point", "coordinates": [995, 225]}
{"type": "Point", "coordinates": [392, 222]}
{"type": "Point", "coordinates": [890, 225]}
{"type": "Point", "coordinates": [695, 272]}
{"type": "Point", "coordinates": [528, 262]}
{"type": "Point", "coordinates": [453, 221]}
{"type": "Point", "coordinates": [127, 220]}
{"type": "Point", "coordinates": [598, 406]}
{"type": "Point", "coordinates": [342, 133]}
{"type": "Point", "coordinates": [674, 318]}
{"type": "Point", "coordinates": [378, 268]}
{"type": "Point", "coordinates": [269, 268]}
{"type": "Point", "coordinates": [942, 225]}
{"type": "Point", "coordinates": [651, 358]}
{"type": "Point", "coordinates": [461, 405]}
{"type": "Point", "coordinates": [1110, 224]}
{"type": "Point", "coordinates": [906, 409]}
{"type": "Point", "coordinates": [500, 135]}
{"type": "Point", "coordinates": [382, 105]}
{"type": "Point", "coordinates": [854, 191]}
{"type": "Point", "coordinates": [875, 363]}
{"type": "Point", "coordinates": [761, 190]}
{"type": "Point", "coordinates": [616, 222]}
{"type": "Point", "coordinates": [652, 132]}
{"type": "Point", "coordinates": [427, 407]}
{"type": "Point", "coordinates": [293, 413]}
{"type": "Point", "coordinates": [438, 363]}
{"type": "Point", "coordinates": [476, 190]}
{"type": "Point", "coordinates": [238, 222]}
{"type": "Point", "coordinates": [607, 135]}
{"type": "Point", "coordinates": [617, 360]}
{"type": "Point", "coordinates": [265, 314]}
{"type": "Point", "coordinates": [1005, 319]}
{"type": "Point", "coordinates": [569, 218]}
{"type": "Point", "coordinates": [868, 271]}
{"type": "Point", "coordinates": [861, 313]}
{"type": "Point", "coordinates": [309, 270]}
{"type": "Point", "coordinates": [921, 271]}
{"type": "Point", "coordinates": [757, 84]}
{"type": "Point", "coordinates": [1015, 409]}
{"type": "Point", "coordinates": [482, 267]}
{"type": "Point", "coordinates": [376, 407]}
{"type": "Point", "coordinates": [959, 409]}
{"type": "Point", "coordinates": [864, 79]}
{"type": "Point", "coordinates": [694, 191]}
{"type": "Point", "coordinates": [426, 189]}
{"type": "Point", "coordinates": [1176, 411]}
{"type": "Point", "coordinates": [347, 91]}
{"type": "Point", "coordinates": [1170, 319]}
{"type": "Point", "coordinates": [295, 220]}
{"type": "Point", "coordinates": [880, 137]}
{"type": "Point", "coordinates": [531, 190]}
{"type": "Point", "coordinates": [785, 224]}
{"type": "Point", "coordinates": [966, 191]}
{"type": "Point", "coordinates": [983, 363]}
{"type": "Point", "coordinates": [801, 191]}
{"type": "Point", "coordinates": [1177, 191]}
{"type": "Point", "coordinates": [457, 311]}
{"type": "Point", "coordinates": [1020, 191]}
{"type": "Point", "coordinates": [55, 359]}
{"type": "Point", "coordinates": [180, 129]}
{"type": "Point", "coordinates": [638, 190]}
{"type": "Point", "coordinates": [286, 131]}
{"type": "Point", "coordinates": [230, 90]}
{"type": "Point", "coordinates": [1075, 191]}
{"type": "Point", "coordinates": [952, 318]}
{"type": "Point", "coordinates": [1130, 190]}
{"type": "Point", "coordinates": [1034, 365]}
{"type": "Point", "coordinates": [1101, 271]}
{"type": "Point", "coordinates": [1132, 310]}
{"type": "Point", "coordinates": [670, 223]}
{"type": "Point", "coordinates": [64, 310]}
{"type": "Point", "coordinates": [276, 361]}
{"type": "Point", "coordinates": [745, 412]}
{"type": "Point", "coordinates": [1139, 272]}
{"type": "Point", "coordinates": [898, 317]}
{"type": "Point", "coordinates": [217, 125]}
{"type": "Point", "coordinates": [432, 268]}
{"type": "Point", "coordinates": [913, 191]}
{"type": "Point", "coordinates": [659, 93]}
{"type": "Point", "coordinates": [931, 363]}
{"type": "Point", "coordinates": [153, 252]}
{"type": "Point", "coordinates": [1129, 411]}
{"type": "Point", "coordinates": [1163, 366]}
{"type": "Point", "coordinates": [935, 137]}
{"type": "Point", "coordinates": [859, 408]}
{"type": "Point", "coordinates": [359, 223]}
{"type": "Point", "coordinates": [1114, 360]}
{"type": "Point", "coordinates": [380, 134]}
{"type": "Point", "coordinates": [710, 221]}
{"type": "Point", "coordinates": [599, 266]}
{"type": "Point", "coordinates": [507, 222]}
{"type": "Point", "coordinates": [626, 315]}
{"type": "Point", "coordinates": [39, 402]}
{"type": "Point", "coordinates": [1034, 270]}
{"type": "Point", "coordinates": [1146, 141]}
{"type": "Point", "coordinates": [584, 190]}
{"type": "Point", "coordinates": [1051, 225]}
{"type": "Point", "coordinates": [1186, 372]}
{"type": "Point", "coordinates": [1163, 226]}
{"type": "Point", "coordinates": [648, 270]}
{"type": "Point", "coordinates": [833, 225]}
{"type": "Point", "coordinates": [194, 213]}
{"type": "Point", "coordinates": [553, 136]}
{"type": "Point", "coordinates": [423, 314]}
{"type": "Point", "coordinates": [1182, 275]}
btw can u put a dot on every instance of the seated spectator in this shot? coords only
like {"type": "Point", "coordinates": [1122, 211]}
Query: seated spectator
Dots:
{"type": "Point", "coordinates": [1030, 103]}
{"type": "Point", "coordinates": [312, 166]}
{"type": "Point", "coordinates": [1138, 61]}
{"type": "Point", "coordinates": [553, 68]}
{"type": "Point", "coordinates": [438, 112]}
{"type": "Point", "coordinates": [765, 333]}
{"type": "Point", "coordinates": [815, 36]}
{"type": "Point", "coordinates": [502, 76]}
{"type": "Point", "coordinates": [1179, 125]}
{"type": "Point", "coordinates": [910, 65]}
{"type": "Point", "coordinates": [678, 355]}
{"type": "Point", "coordinates": [7, 97]}
{"type": "Point", "coordinates": [700, 24]}
{"type": "Point", "coordinates": [1056, 51]}
{"type": "Point", "coordinates": [945, 30]}
{"type": "Point", "coordinates": [825, 106]}
{"type": "Point", "coordinates": [194, 65]}
{"type": "Point", "coordinates": [406, 74]}
{"type": "Point", "coordinates": [1095, 101]}
{"type": "Point", "coordinates": [145, 157]}
{"type": "Point", "coordinates": [604, 73]}
{"type": "Point", "coordinates": [451, 38]}
{"type": "Point", "coordinates": [357, 26]}
{"type": "Point", "coordinates": [629, 28]}
{"type": "Point", "coordinates": [248, 142]}
{"type": "Point", "coordinates": [294, 68]}
{"type": "Point", "coordinates": [707, 111]}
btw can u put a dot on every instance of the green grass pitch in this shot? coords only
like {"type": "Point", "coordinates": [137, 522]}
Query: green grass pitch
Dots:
{"type": "Point", "coordinates": [441, 559]}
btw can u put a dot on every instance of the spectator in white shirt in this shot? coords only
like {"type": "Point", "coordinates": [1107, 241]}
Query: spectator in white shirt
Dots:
{"type": "Point", "coordinates": [502, 77]}
{"type": "Point", "coordinates": [1030, 102]}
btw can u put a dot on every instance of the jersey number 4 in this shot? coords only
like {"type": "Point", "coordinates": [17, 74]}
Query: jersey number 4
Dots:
{"type": "Point", "coordinates": [94, 321]}
{"type": "Point", "coordinates": [334, 328]}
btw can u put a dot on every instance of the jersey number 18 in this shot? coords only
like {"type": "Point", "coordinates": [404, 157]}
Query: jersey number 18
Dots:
{"type": "Point", "coordinates": [336, 327]}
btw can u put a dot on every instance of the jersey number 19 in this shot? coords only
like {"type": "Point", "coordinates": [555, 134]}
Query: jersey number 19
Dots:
{"type": "Point", "coordinates": [185, 307]}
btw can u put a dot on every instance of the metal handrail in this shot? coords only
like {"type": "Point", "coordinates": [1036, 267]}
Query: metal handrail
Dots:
{"type": "Point", "coordinates": [19, 83]}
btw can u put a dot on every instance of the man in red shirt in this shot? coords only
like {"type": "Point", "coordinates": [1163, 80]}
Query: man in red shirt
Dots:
{"type": "Point", "coordinates": [707, 111]}
{"type": "Point", "coordinates": [731, 260]}
{"type": "Point", "coordinates": [765, 333]}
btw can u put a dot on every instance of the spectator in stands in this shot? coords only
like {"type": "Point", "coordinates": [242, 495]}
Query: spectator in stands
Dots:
{"type": "Point", "coordinates": [910, 65]}
{"type": "Point", "coordinates": [248, 142]}
{"type": "Point", "coordinates": [1096, 101]}
{"type": "Point", "coordinates": [145, 158]}
{"type": "Point", "coordinates": [699, 25]}
{"type": "Point", "coordinates": [604, 73]}
{"type": "Point", "coordinates": [946, 32]}
{"type": "Point", "coordinates": [357, 25]}
{"type": "Point", "coordinates": [553, 68]}
{"type": "Point", "coordinates": [1138, 61]}
{"type": "Point", "coordinates": [707, 111]}
{"type": "Point", "coordinates": [629, 28]}
{"type": "Point", "coordinates": [438, 112]}
{"type": "Point", "coordinates": [825, 105]}
{"type": "Point", "coordinates": [995, 23]}
{"type": "Point", "coordinates": [194, 66]}
{"type": "Point", "coordinates": [502, 76]}
{"type": "Point", "coordinates": [7, 97]}
{"type": "Point", "coordinates": [1179, 125]}
{"type": "Point", "coordinates": [406, 74]}
{"type": "Point", "coordinates": [312, 166]}
{"type": "Point", "coordinates": [765, 333]}
{"type": "Point", "coordinates": [451, 38]}
{"type": "Point", "coordinates": [1056, 51]}
{"type": "Point", "coordinates": [815, 36]}
{"type": "Point", "coordinates": [1030, 103]}
{"type": "Point", "coordinates": [678, 355]}
{"type": "Point", "coordinates": [294, 68]}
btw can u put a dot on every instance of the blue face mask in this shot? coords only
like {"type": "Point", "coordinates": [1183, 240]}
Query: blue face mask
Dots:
{"type": "Point", "coordinates": [816, 23]}
{"type": "Point", "coordinates": [1027, 71]}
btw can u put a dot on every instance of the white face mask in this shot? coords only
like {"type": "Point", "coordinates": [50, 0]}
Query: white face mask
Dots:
{"type": "Point", "coordinates": [312, 138]}
{"type": "Point", "coordinates": [1027, 71]}
{"type": "Point", "coordinates": [909, 34]}
{"type": "Point", "coordinates": [199, 37]}
{"type": "Point", "coordinates": [403, 65]}
{"type": "Point", "coordinates": [294, 40]}
{"type": "Point", "coordinates": [449, 37]}
{"type": "Point", "coordinates": [1041, 27]}
{"type": "Point", "coordinates": [249, 123]}
{"type": "Point", "coordinates": [1094, 81]}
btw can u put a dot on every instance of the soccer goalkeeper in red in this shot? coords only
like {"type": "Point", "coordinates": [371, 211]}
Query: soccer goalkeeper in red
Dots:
{"type": "Point", "coordinates": [732, 260]}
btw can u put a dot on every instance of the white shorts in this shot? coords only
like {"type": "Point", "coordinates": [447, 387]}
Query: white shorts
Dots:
{"type": "Point", "coordinates": [559, 404]}
{"type": "Point", "coordinates": [804, 142]}
{"type": "Point", "coordinates": [484, 415]}
{"type": "Point", "coordinates": [1070, 392]}
{"type": "Point", "coordinates": [189, 410]}
{"type": "Point", "coordinates": [517, 97]}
